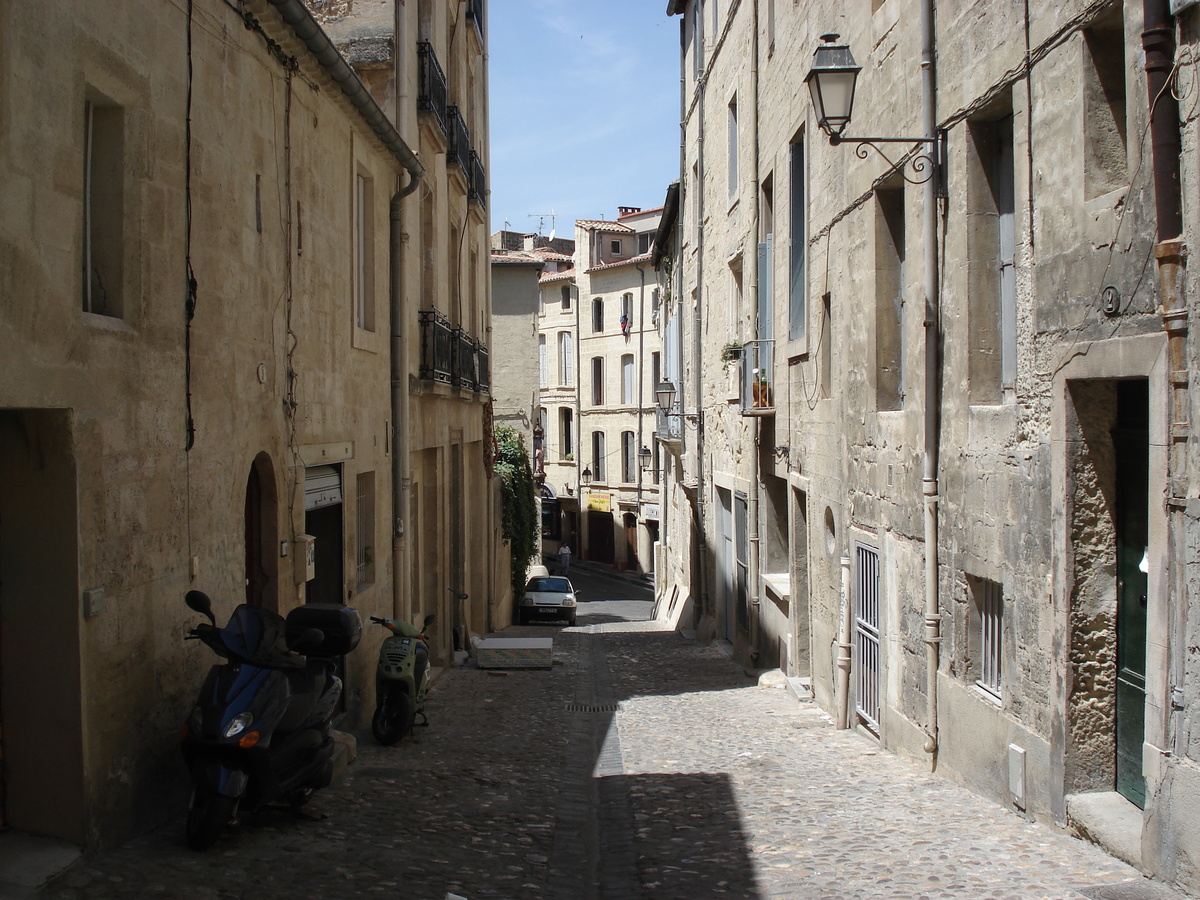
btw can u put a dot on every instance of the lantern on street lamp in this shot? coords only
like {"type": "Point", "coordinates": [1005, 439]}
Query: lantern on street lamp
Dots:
{"type": "Point", "coordinates": [831, 83]}
{"type": "Point", "coordinates": [644, 457]}
{"type": "Point", "coordinates": [585, 477]}
{"type": "Point", "coordinates": [665, 395]}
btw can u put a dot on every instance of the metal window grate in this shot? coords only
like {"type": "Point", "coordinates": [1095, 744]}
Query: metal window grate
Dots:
{"type": "Point", "coordinates": [866, 629]}
{"type": "Point", "coordinates": [989, 597]}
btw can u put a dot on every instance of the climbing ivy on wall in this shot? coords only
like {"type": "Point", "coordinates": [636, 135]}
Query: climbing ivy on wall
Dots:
{"type": "Point", "coordinates": [519, 507]}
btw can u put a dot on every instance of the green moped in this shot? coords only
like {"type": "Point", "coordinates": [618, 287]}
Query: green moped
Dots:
{"type": "Point", "coordinates": [401, 679]}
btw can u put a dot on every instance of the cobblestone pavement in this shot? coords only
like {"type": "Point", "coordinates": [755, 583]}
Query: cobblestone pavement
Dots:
{"type": "Point", "coordinates": [707, 786]}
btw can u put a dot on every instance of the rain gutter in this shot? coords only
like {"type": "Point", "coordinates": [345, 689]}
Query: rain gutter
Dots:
{"type": "Point", "coordinates": [301, 21]}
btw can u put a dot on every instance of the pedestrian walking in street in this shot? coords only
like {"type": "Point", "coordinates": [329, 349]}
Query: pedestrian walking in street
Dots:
{"type": "Point", "coordinates": [564, 557]}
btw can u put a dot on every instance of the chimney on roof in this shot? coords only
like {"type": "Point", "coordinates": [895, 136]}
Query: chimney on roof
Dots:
{"type": "Point", "coordinates": [627, 210]}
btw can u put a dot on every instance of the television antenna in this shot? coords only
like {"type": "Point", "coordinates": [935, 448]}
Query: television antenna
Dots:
{"type": "Point", "coordinates": [542, 217]}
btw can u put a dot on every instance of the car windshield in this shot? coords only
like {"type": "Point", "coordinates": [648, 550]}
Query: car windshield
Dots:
{"type": "Point", "coordinates": [549, 584]}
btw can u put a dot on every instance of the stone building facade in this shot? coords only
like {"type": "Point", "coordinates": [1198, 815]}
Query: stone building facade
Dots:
{"type": "Point", "coordinates": [931, 444]}
{"type": "Point", "coordinates": [425, 63]}
{"type": "Point", "coordinates": [515, 300]}
{"type": "Point", "coordinates": [212, 264]}
{"type": "Point", "coordinates": [599, 356]}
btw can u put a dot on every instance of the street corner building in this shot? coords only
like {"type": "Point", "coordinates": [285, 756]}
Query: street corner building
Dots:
{"type": "Point", "coordinates": [244, 319]}
{"type": "Point", "coordinates": [928, 430]}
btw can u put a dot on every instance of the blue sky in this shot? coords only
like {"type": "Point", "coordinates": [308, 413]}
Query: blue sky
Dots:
{"type": "Point", "coordinates": [584, 109]}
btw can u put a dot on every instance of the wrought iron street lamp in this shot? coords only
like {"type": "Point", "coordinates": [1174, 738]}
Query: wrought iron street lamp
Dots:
{"type": "Point", "coordinates": [831, 83]}
{"type": "Point", "coordinates": [644, 458]}
{"type": "Point", "coordinates": [585, 477]}
{"type": "Point", "coordinates": [665, 395]}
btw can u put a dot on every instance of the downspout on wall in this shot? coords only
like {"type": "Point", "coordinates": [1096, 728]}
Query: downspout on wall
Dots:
{"type": "Point", "coordinates": [1170, 253]}
{"type": "Point", "coordinates": [929, 481]}
{"type": "Point", "coordinates": [697, 368]}
{"type": "Point", "coordinates": [752, 511]}
{"type": "Point", "coordinates": [399, 391]}
{"type": "Point", "coordinates": [845, 647]}
{"type": "Point", "coordinates": [401, 602]}
{"type": "Point", "coordinates": [641, 396]}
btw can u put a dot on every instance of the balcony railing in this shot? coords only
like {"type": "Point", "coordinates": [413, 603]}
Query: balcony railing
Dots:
{"type": "Point", "coordinates": [451, 355]}
{"type": "Point", "coordinates": [432, 95]}
{"type": "Point", "coordinates": [484, 384]}
{"type": "Point", "coordinates": [668, 426]}
{"type": "Point", "coordinates": [757, 392]}
{"type": "Point", "coordinates": [465, 360]}
{"type": "Point", "coordinates": [476, 180]}
{"type": "Point", "coordinates": [460, 142]}
{"type": "Point", "coordinates": [437, 346]}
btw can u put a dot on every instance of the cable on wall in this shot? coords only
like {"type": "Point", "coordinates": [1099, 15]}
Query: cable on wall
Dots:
{"type": "Point", "coordinates": [190, 278]}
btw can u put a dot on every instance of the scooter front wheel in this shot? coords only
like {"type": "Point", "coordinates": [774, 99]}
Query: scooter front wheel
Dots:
{"type": "Point", "coordinates": [393, 718]}
{"type": "Point", "coordinates": [208, 813]}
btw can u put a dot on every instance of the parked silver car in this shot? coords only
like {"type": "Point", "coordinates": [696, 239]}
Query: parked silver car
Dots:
{"type": "Point", "coordinates": [548, 597]}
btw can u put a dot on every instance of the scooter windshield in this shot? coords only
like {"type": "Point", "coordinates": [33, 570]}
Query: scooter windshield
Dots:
{"type": "Point", "coordinates": [257, 636]}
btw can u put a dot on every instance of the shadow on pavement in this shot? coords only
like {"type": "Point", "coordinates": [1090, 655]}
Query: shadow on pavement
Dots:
{"type": "Point", "coordinates": [689, 836]}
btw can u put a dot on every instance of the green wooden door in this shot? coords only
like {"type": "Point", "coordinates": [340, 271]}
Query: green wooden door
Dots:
{"type": "Point", "coordinates": [1131, 440]}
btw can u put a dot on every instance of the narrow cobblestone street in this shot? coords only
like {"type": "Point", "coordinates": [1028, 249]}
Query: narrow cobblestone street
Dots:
{"type": "Point", "coordinates": [641, 765]}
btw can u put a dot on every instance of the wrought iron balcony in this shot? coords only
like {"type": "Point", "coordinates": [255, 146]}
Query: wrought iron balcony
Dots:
{"type": "Point", "coordinates": [484, 384]}
{"type": "Point", "coordinates": [476, 180]}
{"type": "Point", "coordinates": [668, 426]}
{"type": "Point", "coordinates": [437, 346]}
{"type": "Point", "coordinates": [757, 392]}
{"type": "Point", "coordinates": [432, 94]}
{"type": "Point", "coordinates": [465, 360]}
{"type": "Point", "coordinates": [460, 142]}
{"type": "Point", "coordinates": [451, 355]}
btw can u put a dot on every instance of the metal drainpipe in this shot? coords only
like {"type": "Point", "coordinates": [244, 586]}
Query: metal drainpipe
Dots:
{"type": "Point", "coordinates": [698, 369]}
{"type": "Point", "coordinates": [399, 391]}
{"type": "Point", "coordinates": [929, 481]}
{"type": "Point", "coordinates": [576, 376]}
{"type": "Point", "coordinates": [641, 370]}
{"type": "Point", "coordinates": [752, 510]}
{"type": "Point", "coordinates": [1158, 41]}
{"type": "Point", "coordinates": [677, 291]}
{"type": "Point", "coordinates": [845, 636]}
{"type": "Point", "coordinates": [398, 344]}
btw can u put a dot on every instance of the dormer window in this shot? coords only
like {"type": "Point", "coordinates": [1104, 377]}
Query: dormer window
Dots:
{"type": "Point", "coordinates": [616, 248]}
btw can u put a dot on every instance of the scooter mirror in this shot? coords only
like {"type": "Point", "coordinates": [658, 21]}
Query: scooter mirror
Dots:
{"type": "Point", "coordinates": [429, 620]}
{"type": "Point", "coordinates": [198, 601]}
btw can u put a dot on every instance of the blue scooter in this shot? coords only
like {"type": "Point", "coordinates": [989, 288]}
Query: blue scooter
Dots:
{"type": "Point", "coordinates": [261, 728]}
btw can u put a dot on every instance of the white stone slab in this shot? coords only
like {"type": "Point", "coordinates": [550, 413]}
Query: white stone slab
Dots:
{"type": "Point", "coordinates": [515, 653]}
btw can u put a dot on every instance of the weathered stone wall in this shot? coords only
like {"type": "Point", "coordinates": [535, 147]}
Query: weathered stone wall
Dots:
{"type": "Point", "coordinates": [1025, 466]}
{"type": "Point", "coordinates": [1092, 617]}
{"type": "Point", "coordinates": [281, 369]}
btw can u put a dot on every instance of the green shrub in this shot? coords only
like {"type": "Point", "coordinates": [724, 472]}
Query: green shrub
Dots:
{"type": "Point", "coordinates": [520, 523]}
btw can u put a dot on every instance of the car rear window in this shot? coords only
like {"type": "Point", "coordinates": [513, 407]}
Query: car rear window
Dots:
{"type": "Point", "coordinates": [548, 584]}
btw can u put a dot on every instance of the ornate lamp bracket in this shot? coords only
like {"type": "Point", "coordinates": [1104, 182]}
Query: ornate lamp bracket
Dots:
{"type": "Point", "coordinates": [926, 165]}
